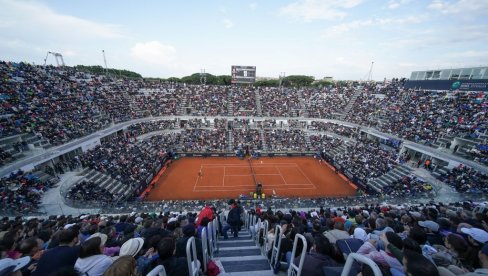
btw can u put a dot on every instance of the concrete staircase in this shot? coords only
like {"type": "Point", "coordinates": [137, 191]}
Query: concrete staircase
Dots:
{"type": "Point", "coordinates": [307, 140]}
{"type": "Point", "coordinates": [350, 104]}
{"type": "Point", "coordinates": [182, 107]}
{"type": "Point", "coordinates": [230, 105]}
{"type": "Point", "coordinates": [231, 140]}
{"type": "Point", "coordinates": [263, 140]}
{"type": "Point", "coordinates": [444, 141]}
{"type": "Point", "coordinates": [388, 178]}
{"type": "Point", "coordinates": [241, 256]}
{"type": "Point", "coordinates": [259, 109]}
{"type": "Point", "coordinates": [303, 112]}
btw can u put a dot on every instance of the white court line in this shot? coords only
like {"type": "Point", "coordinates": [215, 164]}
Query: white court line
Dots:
{"type": "Point", "coordinates": [300, 169]}
{"type": "Point", "coordinates": [251, 174]}
{"type": "Point", "coordinates": [251, 185]}
{"type": "Point", "coordinates": [281, 175]}
{"type": "Point", "coordinates": [231, 190]}
{"type": "Point", "coordinates": [198, 178]}
{"type": "Point", "coordinates": [257, 164]}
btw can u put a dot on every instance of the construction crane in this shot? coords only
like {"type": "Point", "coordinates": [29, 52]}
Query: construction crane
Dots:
{"type": "Point", "coordinates": [57, 56]}
{"type": "Point", "coordinates": [369, 75]}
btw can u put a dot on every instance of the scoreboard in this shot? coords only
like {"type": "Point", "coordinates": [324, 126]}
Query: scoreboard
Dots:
{"type": "Point", "coordinates": [243, 74]}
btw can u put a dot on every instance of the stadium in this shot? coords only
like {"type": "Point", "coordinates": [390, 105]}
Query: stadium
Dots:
{"type": "Point", "coordinates": [106, 172]}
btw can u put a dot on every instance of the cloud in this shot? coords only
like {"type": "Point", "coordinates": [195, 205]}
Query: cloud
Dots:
{"type": "Point", "coordinates": [309, 10]}
{"type": "Point", "coordinates": [32, 17]}
{"type": "Point", "coordinates": [227, 23]}
{"type": "Point", "coordinates": [154, 52]}
{"type": "Point", "coordinates": [469, 54]}
{"type": "Point", "coordinates": [29, 29]}
{"type": "Point", "coordinates": [393, 4]}
{"type": "Point", "coordinates": [431, 38]}
{"type": "Point", "coordinates": [340, 29]}
{"type": "Point", "coordinates": [466, 8]}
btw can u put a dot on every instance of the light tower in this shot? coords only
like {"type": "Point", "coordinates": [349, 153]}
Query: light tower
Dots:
{"type": "Point", "coordinates": [203, 76]}
{"type": "Point", "coordinates": [105, 61]}
{"type": "Point", "coordinates": [57, 56]}
{"type": "Point", "coordinates": [370, 74]}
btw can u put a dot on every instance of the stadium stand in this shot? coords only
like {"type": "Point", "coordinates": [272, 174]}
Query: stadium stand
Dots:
{"type": "Point", "coordinates": [360, 129]}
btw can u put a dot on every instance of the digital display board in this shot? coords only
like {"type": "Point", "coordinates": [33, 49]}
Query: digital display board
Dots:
{"type": "Point", "coordinates": [243, 74]}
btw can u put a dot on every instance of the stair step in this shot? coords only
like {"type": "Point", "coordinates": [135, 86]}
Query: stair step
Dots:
{"type": "Point", "coordinates": [239, 266]}
{"type": "Point", "coordinates": [238, 239]}
{"type": "Point", "coordinates": [254, 273]}
{"type": "Point", "coordinates": [237, 244]}
{"type": "Point", "coordinates": [225, 252]}
{"type": "Point", "coordinates": [241, 258]}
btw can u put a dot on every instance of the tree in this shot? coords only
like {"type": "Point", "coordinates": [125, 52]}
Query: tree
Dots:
{"type": "Point", "coordinates": [298, 80]}
{"type": "Point", "coordinates": [99, 70]}
{"type": "Point", "coordinates": [224, 80]}
{"type": "Point", "coordinates": [323, 83]}
{"type": "Point", "coordinates": [270, 83]}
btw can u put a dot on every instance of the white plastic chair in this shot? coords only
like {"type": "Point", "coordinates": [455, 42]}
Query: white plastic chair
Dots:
{"type": "Point", "coordinates": [246, 221]}
{"type": "Point", "coordinates": [191, 257]}
{"type": "Point", "coordinates": [360, 258]}
{"type": "Point", "coordinates": [252, 222]}
{"type": "Point", "coordinates": [265, 238]}
{"type": "Point", "coordinates": [275, 258]}
{"type": "Point", "coordinates": [256, 229]}
{"type": "Point", "coordinates": [210, 238]}
{"type": "Point", "coordinates": [293, 269]}
{"type": "Point", "coordinates": [206, 253]}
{"type": "Point", "coordinates": [157, 271]}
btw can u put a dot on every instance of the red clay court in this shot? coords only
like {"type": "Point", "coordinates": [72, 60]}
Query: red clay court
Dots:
{"type": "Point", "coordinates": [229, 177]}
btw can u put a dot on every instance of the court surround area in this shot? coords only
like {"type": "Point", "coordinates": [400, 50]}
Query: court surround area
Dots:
{"type": "Point", "coordinates": [216, 177]}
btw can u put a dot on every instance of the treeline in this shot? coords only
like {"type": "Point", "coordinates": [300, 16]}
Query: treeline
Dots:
{"type": "Point", "coordinates": [99, 70]}
{"type": "Point", "coordinates": [295, 81]}
{"type": "Point", "coordinates": [289, 81]}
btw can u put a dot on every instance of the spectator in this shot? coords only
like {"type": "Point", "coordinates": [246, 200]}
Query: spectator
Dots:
{"type": "Point", "coordinates": [123, 266]}
{"type": "Point", "coordinates": [91, 261]}
{"type": "Point", "coordinates": [63, 255]}
{"type": "Point", "coordinates": [174, 266]}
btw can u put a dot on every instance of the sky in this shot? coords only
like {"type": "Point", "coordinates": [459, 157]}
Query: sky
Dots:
{"type": "Point", "coordinates": [337, 38]}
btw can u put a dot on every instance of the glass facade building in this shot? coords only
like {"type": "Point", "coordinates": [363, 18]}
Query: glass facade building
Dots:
{"type": "Point", "coordinates": [472, 73]}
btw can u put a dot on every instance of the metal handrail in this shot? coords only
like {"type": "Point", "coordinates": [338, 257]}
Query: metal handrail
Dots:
{"type": "Point", "coordinates": [293, 269]}
{"type": "Point", "coordinates": [363, 259]}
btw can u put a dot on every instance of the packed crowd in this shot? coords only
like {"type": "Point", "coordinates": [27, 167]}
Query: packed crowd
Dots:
{"type": "Point", "coordinates": [244, 102]}
{"type": "Point", "coordinates": [410, 185]}
{"type": "Point", "coordinates": [61, 104]}
{"type": "Point", "coordinates": [283, 140]}
{"type": "Point", "coordinates": [146, 127]}
{"type": "Point", "coordinates": [5, 157]}
{"type": "Point", "coordinates": [322, 103]}
{"type": "Point", "coordinates": [324, 143]}
{"type": "Point", "coordinates": [127, 160]}
{"type": "Point", "coordinates": [365, 159]}
{"type": "Point", "coordinates": [21, 192]}
{"type": "Point", "coordinates": [89, 191]}
{"type": "Point", "coordinates": [433, 239]}
{"type": "Point", "coordinates": [279, 102]}
{"type": "Point", "coordinates": [426, 239]}
{"type": "Point", "coordinates": [420, 115]}
{"type": "Point", "coordinates": [48, 101]}
{"type": "Point", "coordinates": [243, 137]}
{"type": "Point", "coordinates": [204, 140]}
{"type": "Point", "coordinates": [350, 132]}
{"type": "Point", "coordinates": [466, 179]}
{"type": "Point", "coordinates": [207, 100]}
